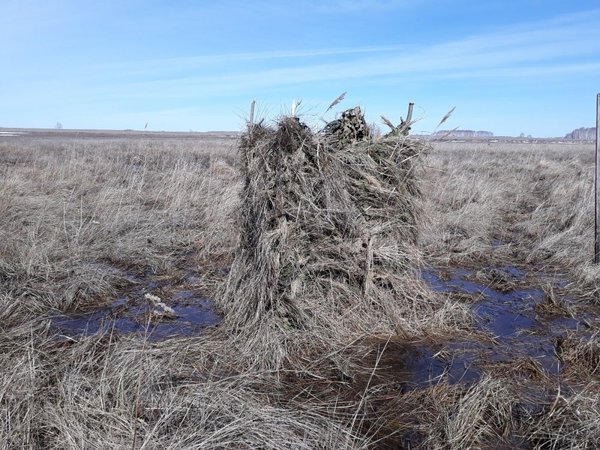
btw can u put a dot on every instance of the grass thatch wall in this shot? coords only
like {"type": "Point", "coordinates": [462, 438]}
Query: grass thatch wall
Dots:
{"type": "Point", "coordinates": [326, 241]}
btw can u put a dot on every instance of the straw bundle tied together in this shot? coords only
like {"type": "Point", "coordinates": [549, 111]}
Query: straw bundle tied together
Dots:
{"type": "Point", "coordinates": [327, 229]}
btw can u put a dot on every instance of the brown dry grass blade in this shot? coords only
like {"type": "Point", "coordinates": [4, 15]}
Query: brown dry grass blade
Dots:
{"type": "Point", "coordinates": [337, 101]}
{"type": "Point", "coordinates": [447, 116]}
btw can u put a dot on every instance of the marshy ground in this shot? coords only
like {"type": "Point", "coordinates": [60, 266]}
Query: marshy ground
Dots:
{"type": "Point", "coordinates": [94, 228]}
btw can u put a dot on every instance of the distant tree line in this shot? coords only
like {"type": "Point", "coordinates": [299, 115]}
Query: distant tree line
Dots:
{"type": "Point", "coordinates": [583, 134]}
{"type": "Point", "coordinates": [464, 133]}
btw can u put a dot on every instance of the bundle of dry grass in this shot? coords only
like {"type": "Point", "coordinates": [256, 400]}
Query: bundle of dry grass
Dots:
{"type": "Point", "coordinates": [581, 355]}
{"type": "Point", "coordinates": [326, 233]}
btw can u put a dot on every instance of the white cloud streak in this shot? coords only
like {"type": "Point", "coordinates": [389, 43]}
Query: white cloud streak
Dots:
{"type": "Point", "coordinates": [352, 6]}
{"type": "Point", "coordinates": [567, 45]}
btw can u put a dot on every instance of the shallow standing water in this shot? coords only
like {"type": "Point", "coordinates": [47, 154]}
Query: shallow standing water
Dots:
{"type": "Point", "coordinates": [155, 309]}
{"type": "Point", "coordinates": [514, 321]}
{"type": "Point", "coordinates": [510, 322]}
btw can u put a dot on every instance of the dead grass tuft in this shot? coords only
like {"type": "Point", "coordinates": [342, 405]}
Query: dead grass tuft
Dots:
{"type": "Point", "coordinates": [571, 421]}
{"type": "Point", "coordinates": [581, 355]}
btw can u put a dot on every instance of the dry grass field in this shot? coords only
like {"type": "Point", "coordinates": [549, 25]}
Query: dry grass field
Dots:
{"type": "Point", "coordinates": [114, 250]}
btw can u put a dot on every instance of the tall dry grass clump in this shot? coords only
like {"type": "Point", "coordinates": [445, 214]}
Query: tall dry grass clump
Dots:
{"type": "Point", "coordinates": [326, 232]}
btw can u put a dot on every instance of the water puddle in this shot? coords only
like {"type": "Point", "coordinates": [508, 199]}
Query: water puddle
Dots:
{"type": "Point", "coordinates": [155, 309]}
{"type": "Point", "coordinates": [415, 365]}
{"type": "Point", "coordinates": [515, 322]}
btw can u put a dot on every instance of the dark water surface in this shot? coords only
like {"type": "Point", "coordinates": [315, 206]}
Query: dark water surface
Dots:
{"type": "Point", "coordinates": [506, 306]}
{"type": "Point", "coordinates": [134, 313]}
{"type": "Point", "coordinates": [509, 323]}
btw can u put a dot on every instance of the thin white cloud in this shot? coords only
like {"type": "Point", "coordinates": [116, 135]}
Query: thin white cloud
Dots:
{"type": "Point", "coordinates": [352, 6]}
{"type": "Point", "coordinates": [339, 6]}
{"type": "Point", "coordinates": [165, 65]}
{"type": "Point", "coordinates": [562, 46]}
{"type": "Point", "coordinates": [531, 72]}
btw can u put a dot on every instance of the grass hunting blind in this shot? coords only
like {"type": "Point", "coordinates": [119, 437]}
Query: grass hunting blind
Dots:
{"type": "Point", "coordinates": [325, 230]}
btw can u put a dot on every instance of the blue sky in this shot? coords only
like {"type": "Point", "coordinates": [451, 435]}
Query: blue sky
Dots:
{"type": "Point", "coordinates": [511, 67]}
